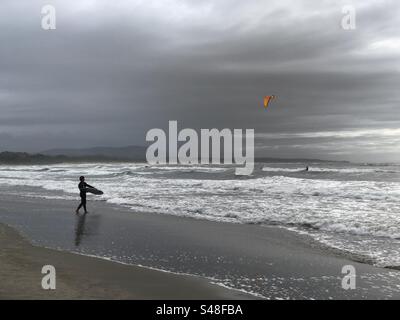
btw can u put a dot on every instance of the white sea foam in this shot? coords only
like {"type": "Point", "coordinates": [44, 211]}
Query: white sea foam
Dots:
{"type": "Point", "coordinates": [329, 170]}
{"type": "Point", "coordinates": [277, 169]}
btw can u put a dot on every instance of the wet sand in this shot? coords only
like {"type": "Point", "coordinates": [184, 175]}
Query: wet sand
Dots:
{"type": "Point", "coordinates": [80, 277]}
{"type": "Point", "coordinates": [272, 262]}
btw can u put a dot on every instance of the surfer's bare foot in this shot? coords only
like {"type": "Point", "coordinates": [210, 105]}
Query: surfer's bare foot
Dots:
{"type": "Point", "coordinates": [77, 211]}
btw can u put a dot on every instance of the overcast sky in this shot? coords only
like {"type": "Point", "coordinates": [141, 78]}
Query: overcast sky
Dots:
{"type": "Point", "coordinates": [112, 70]}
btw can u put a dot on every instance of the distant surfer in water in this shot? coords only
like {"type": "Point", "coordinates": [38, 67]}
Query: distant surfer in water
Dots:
{"type": "Point", "coordinates": [82, 188]}
{"type": "Point", "coordinates": [306, 168]}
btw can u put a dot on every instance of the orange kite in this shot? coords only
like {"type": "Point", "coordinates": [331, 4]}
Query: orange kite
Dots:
{"type": "Point", "coordinates": [267, 100]}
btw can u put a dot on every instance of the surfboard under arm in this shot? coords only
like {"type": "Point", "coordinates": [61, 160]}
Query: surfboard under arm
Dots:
{"type": "Point", "coordinates": [94, 191]}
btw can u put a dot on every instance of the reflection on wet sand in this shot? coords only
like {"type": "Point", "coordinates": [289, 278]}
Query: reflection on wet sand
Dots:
{"type": "Point", "coordinates": [82, 228]}
{"type": "Point", "coordinates": [79, 229]}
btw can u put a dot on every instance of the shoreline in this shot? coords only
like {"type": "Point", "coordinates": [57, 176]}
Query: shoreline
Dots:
{"type": "Point", "coordinates": [270, 261]}
{"type": "Point", "coordinates": [84, 277]}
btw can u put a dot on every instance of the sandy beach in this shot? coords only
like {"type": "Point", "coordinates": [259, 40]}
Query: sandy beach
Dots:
{"type": "Point", "coordinates": [270, 262]}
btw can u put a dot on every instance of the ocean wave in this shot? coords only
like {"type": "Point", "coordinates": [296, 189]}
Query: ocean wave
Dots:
{"type": "Point", "coordinates": [190, 168]}
{"type": "Point", "coordinates": [328, 170]}
{"type": "Point", "coordinates": [273, 169]}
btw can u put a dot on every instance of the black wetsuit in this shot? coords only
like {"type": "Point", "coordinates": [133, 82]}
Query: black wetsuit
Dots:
{"type": "Point", "coordinates": [82, 187]}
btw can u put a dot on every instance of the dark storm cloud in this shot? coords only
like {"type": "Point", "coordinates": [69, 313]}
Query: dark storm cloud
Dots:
{"type": "Point", "coordinates": [113, 70]}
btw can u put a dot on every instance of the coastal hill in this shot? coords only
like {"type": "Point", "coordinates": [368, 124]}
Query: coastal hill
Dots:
{"type": "Point", "coordinates": [96, 154]}
{"type": "Point", "coordinates": [18, 158]}
{"type": "Point", "coordinates": [133, 153]}
{"type": "Point", "coordinates": [138, 153]}
{"type": "Point", "coordinates": [102, 154]}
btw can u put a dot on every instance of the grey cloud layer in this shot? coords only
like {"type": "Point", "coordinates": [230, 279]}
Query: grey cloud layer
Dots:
{"type": "Point", "coordinates": [113, 70]}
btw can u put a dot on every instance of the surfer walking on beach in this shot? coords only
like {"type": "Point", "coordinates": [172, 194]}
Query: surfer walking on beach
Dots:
{"type": "Point", "coordinates": [82, 188]}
